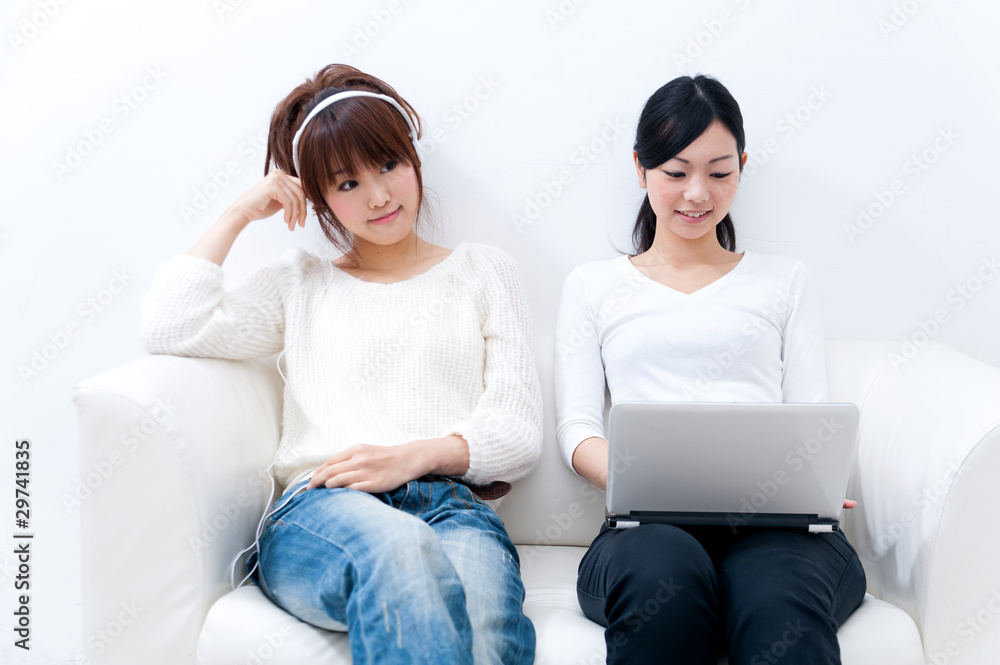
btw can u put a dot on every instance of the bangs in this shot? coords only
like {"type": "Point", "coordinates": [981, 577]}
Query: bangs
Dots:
{"type": "Point", "coordinates": [350, 136]}
{"type": "Point", "coordinates": [679, 129]}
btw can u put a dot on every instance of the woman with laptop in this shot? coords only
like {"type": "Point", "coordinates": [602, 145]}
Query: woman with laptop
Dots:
{"type": "Point", "coordinates": [686, 319]}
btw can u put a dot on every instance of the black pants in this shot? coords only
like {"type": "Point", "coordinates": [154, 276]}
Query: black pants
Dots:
{"type": "Point", "coordinates": [682, 595]}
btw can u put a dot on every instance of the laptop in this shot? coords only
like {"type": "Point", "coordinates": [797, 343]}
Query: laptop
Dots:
{"type": "Point", "coordinates": [734, 464]}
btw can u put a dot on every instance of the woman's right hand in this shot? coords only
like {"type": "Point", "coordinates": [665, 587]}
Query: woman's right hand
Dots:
{"type": "Point", "coordinates": [277, 191]}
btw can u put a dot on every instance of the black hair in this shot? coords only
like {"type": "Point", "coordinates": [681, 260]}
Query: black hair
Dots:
{"type": "Point", "coordinates": [673, 117]}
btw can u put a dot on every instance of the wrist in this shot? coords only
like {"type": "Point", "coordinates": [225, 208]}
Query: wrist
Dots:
{"type": "Point", "coordinates": [232, 220]}
{"type": "Point", "coordinates": [443, 456]}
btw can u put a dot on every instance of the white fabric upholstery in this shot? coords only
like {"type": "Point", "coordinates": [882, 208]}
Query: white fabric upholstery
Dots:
{"type": "Point", "coordinates": [164, 519]}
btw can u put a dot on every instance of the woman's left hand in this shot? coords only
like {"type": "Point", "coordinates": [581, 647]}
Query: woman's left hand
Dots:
{"type": "Point", "coordinates": [849, 503]}
{"type": "Point", "coordinates": [368, 468]}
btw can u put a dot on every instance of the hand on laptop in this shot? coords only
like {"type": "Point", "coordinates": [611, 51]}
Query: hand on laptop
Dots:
{"type": "Point", "coordinates": [850, 503]}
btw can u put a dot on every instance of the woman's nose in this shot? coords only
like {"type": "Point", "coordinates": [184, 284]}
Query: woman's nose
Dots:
{"type": "Point", "coordinates": [696, 191]}
{"type": "Point", "coordinates": [379, 195]}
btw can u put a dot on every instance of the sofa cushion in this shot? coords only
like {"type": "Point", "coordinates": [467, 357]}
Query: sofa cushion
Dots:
{"type": "Point", "coordinates": [877, 632]}
{"type": "Point", "coordinates": [245, 628]}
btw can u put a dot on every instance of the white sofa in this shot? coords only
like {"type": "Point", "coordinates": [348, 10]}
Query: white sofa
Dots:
{"type": "Point", "coordinates": [172, 453]}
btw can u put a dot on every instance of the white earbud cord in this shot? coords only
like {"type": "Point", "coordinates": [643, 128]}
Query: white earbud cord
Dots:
{"type": "Point", "coordinates": [268, 513]}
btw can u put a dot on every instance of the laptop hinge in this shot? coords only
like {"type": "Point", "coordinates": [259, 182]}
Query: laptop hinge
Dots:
{"type": "Point", "coordinates": [619, 521]}
{"type": "Point", "coordinates": [822, 528]}
{"type": "Point", "coordinates": [812, 523]}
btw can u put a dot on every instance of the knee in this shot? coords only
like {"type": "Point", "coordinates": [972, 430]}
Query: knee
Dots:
{"type": "Point", "coordinates": [780, 575]}
{"type": "Point", "coordinates": [661, 575]}
{"type": "Point", "coordinates": [406, 546]}
{"type": "Point", "coordinates": [403, 566]}
{"type": "Point", "coordinates": [663, 557]}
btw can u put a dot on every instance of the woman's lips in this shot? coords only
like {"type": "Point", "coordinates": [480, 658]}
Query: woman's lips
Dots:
{"type": "Point", "coordinates": [386, 219]}
{"type": "Point", "coordinates": [693, 216]}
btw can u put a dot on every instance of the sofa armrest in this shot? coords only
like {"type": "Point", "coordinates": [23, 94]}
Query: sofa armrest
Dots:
{"type": "Point", "coordinates": [172, 485]}
{"type": "Point", "coordinates": [928, 463]}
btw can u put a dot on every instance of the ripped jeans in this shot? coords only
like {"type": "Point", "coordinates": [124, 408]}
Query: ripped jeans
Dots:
{"type": "Point", "coordinates": [423, 574]}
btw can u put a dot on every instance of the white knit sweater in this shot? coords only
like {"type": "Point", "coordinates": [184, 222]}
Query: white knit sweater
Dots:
{"type": "Point", "coordinates": [445, 352]}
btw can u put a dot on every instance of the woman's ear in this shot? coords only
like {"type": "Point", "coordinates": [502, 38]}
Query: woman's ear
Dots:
{"type": "Point", "coordinates": [640, 171]}
{"type": "Point", "coordinates": [743, 159]}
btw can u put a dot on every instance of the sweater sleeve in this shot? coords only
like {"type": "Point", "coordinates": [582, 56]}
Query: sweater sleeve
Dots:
{"type": "Point", "coordinates": [579, 369]}
{"type": "Point", "coordinates": [504, 432]}
{"type": "Point", "coordinates": [803, 353]}
{"type": "Point", "coordinates": [187, 312]}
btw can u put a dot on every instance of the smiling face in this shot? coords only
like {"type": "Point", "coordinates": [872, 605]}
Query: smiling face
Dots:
{"type": "Point", "coordinates": [377, 205]}
{"type": "Point", "coordinates": [693, 191]}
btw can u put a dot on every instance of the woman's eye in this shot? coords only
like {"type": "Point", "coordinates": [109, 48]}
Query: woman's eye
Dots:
{"type": "Point", "coordinates": [674, 174]}
{"type": "Point", "coordinates": [347, 185]}
{"type": "Point", "coordinates": [721, 175]}
{"type": "Point", "coordinates": [390, 165]}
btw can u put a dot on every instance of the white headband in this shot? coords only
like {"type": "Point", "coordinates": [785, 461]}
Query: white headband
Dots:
{"type": "Point", "coordinates": [333, 99]}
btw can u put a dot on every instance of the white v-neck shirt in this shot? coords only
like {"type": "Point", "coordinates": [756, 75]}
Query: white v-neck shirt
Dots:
{"type": "Point", "coordinates": [753, 335]}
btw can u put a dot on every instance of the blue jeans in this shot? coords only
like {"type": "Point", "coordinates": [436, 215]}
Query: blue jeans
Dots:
{"type": "Point", "coordinates": [423, 574]}
{"type": "Point", "coordinates": [681, 595]}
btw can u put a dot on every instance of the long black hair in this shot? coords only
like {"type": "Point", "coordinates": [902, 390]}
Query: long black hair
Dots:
{"type": "Point", "coordinates": [673, 117]}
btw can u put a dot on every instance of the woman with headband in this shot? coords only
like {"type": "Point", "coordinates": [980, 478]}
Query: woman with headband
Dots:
{"type": "Point", "coordinates": [647, 325]}
{"type": "Point", "coordinates": [411, 389]}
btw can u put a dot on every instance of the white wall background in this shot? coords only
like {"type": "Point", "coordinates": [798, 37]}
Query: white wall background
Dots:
{"type": "Point", "coordinates": [886, 81]}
